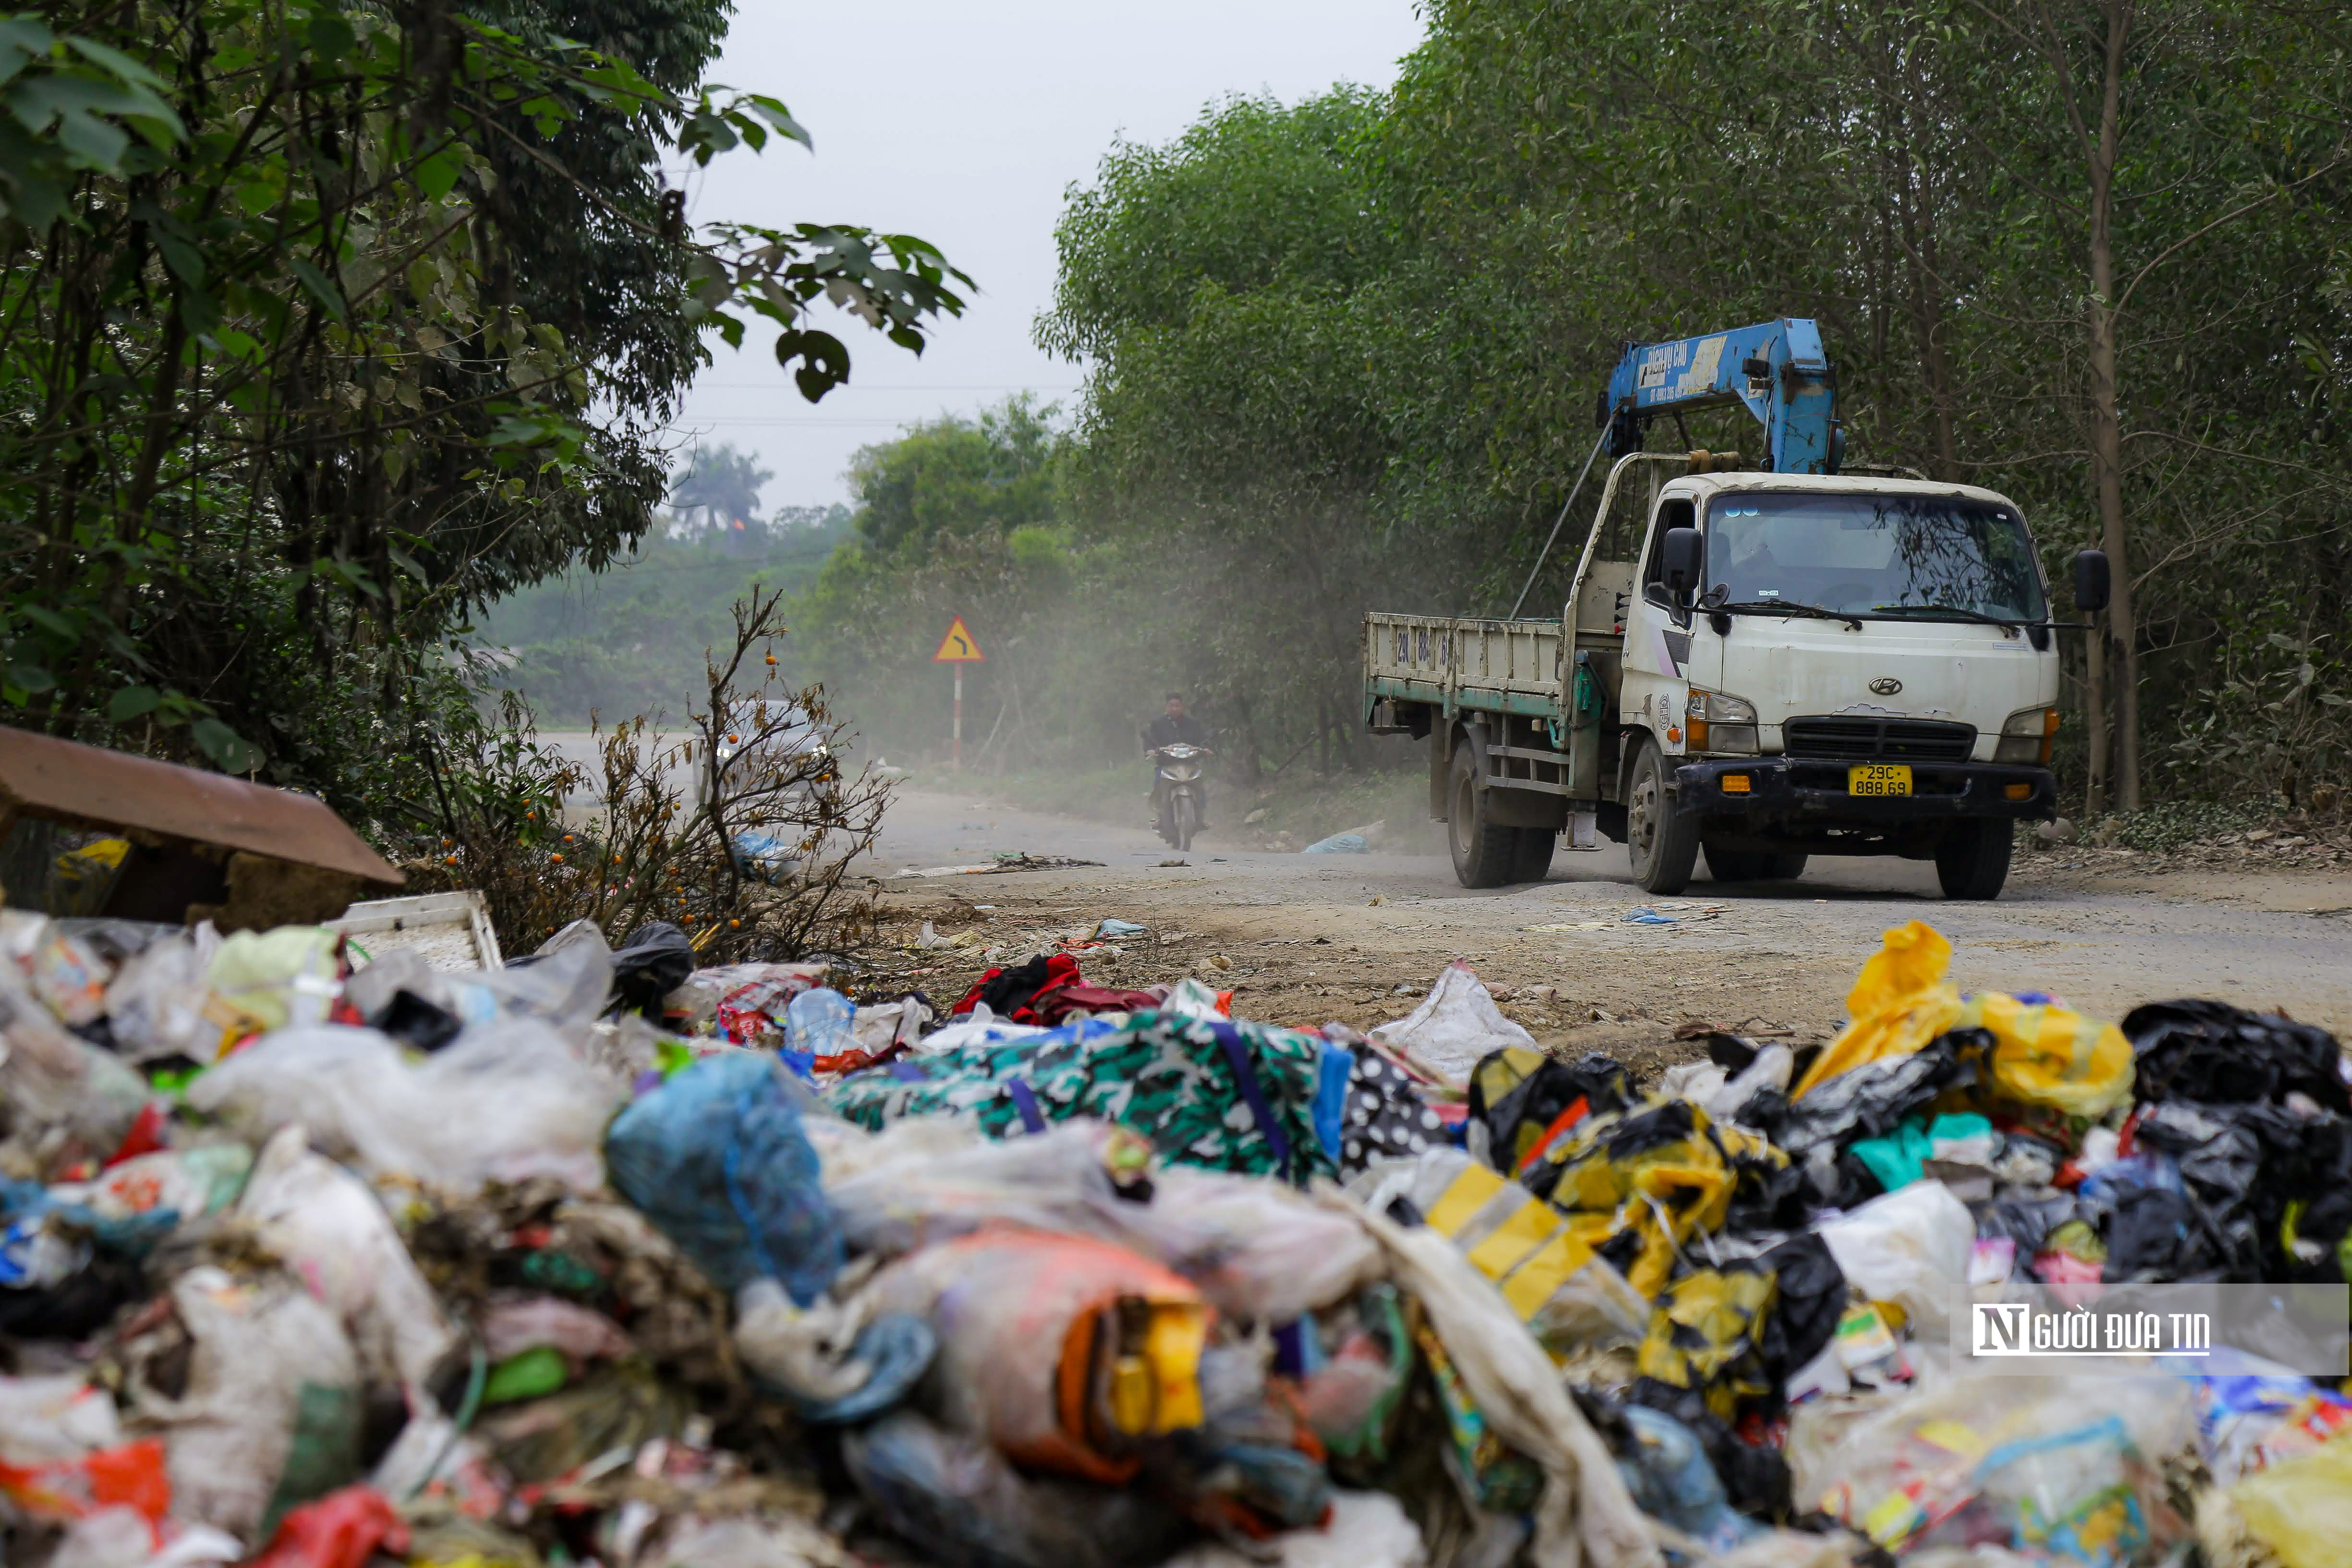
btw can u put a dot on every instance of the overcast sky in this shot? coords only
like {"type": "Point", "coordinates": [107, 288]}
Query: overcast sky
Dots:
{"type": "Point", "coordinates": [964, 124]}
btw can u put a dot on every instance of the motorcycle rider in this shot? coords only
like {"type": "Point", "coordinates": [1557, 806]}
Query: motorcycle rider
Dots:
{"type": "Point", "coordinates": [1175, 725]}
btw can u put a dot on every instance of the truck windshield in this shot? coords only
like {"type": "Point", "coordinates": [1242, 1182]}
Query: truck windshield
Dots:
{"type": "Point", "coordinates": [1860, 555]}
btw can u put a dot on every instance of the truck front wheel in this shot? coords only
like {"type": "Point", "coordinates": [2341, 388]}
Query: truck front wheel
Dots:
{"type": "Point", "coordinates": [1972, 859]}
{"type": "Point", "coordinates": [1486, 853]}
{"type": "Point", "coordinates": [1662, 843]}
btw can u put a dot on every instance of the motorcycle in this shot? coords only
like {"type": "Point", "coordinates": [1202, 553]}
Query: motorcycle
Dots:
{"type": "Point", "coordinates": [1176, 780]}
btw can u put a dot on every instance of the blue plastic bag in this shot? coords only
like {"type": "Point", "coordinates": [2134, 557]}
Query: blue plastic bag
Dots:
{"type": "Point", "coordinates": [716, 1160]}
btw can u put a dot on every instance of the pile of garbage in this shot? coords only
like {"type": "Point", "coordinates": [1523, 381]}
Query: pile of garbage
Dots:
{"type": "Point", "coordinates": [315, 1260]}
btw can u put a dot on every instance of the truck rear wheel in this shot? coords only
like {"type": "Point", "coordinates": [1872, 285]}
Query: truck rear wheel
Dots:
{"type": "Point", "coordinates": [1486, 853]}
{"type": "Point", "coordinates": [1662, 843]}
{"type": "Point", "coordinates": [1972, 859]}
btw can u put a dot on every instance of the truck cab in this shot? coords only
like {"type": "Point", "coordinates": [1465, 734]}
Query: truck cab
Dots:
{"type": "Point", "coordinates": [1769, 666]}
{"type": "Point", "coordinates": [1857, 666]}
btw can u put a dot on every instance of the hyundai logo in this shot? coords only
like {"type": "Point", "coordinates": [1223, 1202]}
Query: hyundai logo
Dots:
{"type": "Point", "coordinates": [1886, 686]}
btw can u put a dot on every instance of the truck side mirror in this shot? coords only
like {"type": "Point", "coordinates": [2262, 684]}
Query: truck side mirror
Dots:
{"type": "Point", "coordinates": [2090, 581]}
{"type": "Point", "coordinates": [1679, 559]}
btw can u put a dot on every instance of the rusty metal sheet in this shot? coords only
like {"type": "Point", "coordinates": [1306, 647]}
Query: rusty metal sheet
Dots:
{"type": "Point", "coordinates": [88, 786]}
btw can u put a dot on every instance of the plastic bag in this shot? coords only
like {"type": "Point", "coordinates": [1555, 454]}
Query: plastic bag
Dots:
{"type": "Point", "coordinates": [655, 961]}
{"type": "Point", "coordinates": [51, 1078]}
{"type": "Point", "coordinates": [1911, 1247]}
{"type": "Point", "coordinates": [1365, 1529]}
{"type": "Point", "coordinates": [276, 979]}
{"type": "Point", "coordinates": [189, 1182]}
{"type": "Point", "coordinates": [1455, 1024]}
{"type": "Point", "coordinates": [1024, 1317]}
{"type": "Point", "coordinates": [60, 1417]}
{"type": "Point", "coordinates": [155, 1004]}
{"type": "Point", "coordinates": [1668, 1474]}
{"type": "Point", "coordinates": [1259, 1252]}
{"type": "Point", "coordinates": [327, 1225]}
{"type": "Point", "coordinates": [1980, 1457]}
{"type": "Point", "coordinates": [510, 1325]}
{"type": "Point", "coordinates": [1899, 1002]}
{"type": "Point", "coordinates": [1569, 1298]}
{"type": "Point", "coordinates": [775, 1541]}
{"type": "Point", "coordinates": [124, 1538]}
{"type": "Point", "coordinates": [509, 1099]}
{"type": "Point", "coordinates": [716, 1160]}
{"type": "Point", "coordinates": [271, 1412]}
{"type": "Point", "coordinates": [2049, 1056]}
{"type": "Point", "coordinates": [130, 1476]}
{"type": "Point", "coordinates": [2214, 1053]}
{"type": "Point", "coordinates": [965, 1505]}
{"type": "Point", "coordinates": [2301, 1510]}
{"type": "Point", "coordinates": [341, 1530]}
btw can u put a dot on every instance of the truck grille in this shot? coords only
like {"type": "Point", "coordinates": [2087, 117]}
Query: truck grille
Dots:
{"type": "Point", "coordinates": [1893, 740]}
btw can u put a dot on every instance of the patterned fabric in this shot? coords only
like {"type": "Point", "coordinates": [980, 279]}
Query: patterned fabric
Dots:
{"type": "Point", "coordinates": [1170, 1078]}
{"type": "Point", "coordinates": [1385, 1118]}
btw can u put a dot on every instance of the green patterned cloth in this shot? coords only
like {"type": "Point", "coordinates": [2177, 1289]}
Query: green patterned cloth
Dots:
{"type": "Point", "coordinates": [1169, 1078]}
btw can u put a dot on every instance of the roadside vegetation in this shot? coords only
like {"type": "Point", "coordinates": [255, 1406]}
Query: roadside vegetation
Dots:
{"type": "Point", "coordinates": [1343, 353]}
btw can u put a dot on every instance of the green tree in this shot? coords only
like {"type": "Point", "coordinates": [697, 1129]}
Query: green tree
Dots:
{"type": "Point", "coordinates": [296, 381]}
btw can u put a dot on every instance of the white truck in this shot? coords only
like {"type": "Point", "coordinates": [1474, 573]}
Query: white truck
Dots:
{"type": "Point", "coordinates": [1763, 663]}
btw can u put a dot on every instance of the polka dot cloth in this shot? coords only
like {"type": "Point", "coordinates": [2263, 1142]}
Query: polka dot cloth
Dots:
{"type": "Point", "coordinates": [1385, 1118]}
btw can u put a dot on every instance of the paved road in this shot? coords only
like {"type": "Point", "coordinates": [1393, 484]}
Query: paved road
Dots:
{"type": "Point", "coordinates": [2087, 926]}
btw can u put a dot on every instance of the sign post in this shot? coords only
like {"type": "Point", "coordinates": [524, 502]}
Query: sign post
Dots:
{"type": "Point", "coordinates": [958, 650]}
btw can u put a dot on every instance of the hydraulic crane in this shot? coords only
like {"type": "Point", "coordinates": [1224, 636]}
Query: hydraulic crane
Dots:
{"type": "Point", "coordinates": [1776, 370]}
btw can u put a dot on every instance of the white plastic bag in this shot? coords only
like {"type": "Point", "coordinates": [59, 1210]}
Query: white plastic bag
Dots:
{"type": "Point", "coordinates": [1366, 1529]}
{"type": "Point", "coordinates": [51, 1078]}
{"type": "Point", "coordinates": [1258, 1251]}
{"type": "Point", "coordinates": [1455, 1024]}
{"type": "Point", "coordinates": [1911, 1247]}
{"type": "Point", "coordinates": [155, 1003]}
{"type": "Point", "coordinates": [270, 1368]}
{"type": "Point", "coordinates": [49, 1419]}
{"type": "Point", "coordinates": [505, 1101]}
{"type": "Point", "coordinates": [327, 1228]}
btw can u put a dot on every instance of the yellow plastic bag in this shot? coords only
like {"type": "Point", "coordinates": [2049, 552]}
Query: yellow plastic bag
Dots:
{"type": "Point", "coordinates": [1899, 1002]}
{"type": "Point", "coordinates": [2302, 1510]}
{"type": "Point", "coordinates": [2050, 1055]}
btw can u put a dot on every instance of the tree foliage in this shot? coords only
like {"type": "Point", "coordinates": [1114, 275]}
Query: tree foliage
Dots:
{"type": "Point", "coordinates": [325, 323]}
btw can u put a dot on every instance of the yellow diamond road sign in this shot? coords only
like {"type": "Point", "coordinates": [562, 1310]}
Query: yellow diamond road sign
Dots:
{"type": "Point", "coordinates": [957, 647]}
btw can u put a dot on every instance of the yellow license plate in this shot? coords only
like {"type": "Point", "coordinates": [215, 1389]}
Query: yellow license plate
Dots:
{"type": "Point", "coordinates": [1878, 778]}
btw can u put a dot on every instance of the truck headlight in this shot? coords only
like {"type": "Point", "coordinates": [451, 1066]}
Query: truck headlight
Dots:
{"type": "Point", "coordinates": [2027, 737]}
{"type": "Point", "coordinates": [1716, 722]}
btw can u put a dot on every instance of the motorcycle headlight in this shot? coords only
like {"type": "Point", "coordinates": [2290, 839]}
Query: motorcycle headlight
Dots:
{"type": "Point", "coordinates": [1717, 722]}
{"type": "Point", "coordinates": [2027, 737]}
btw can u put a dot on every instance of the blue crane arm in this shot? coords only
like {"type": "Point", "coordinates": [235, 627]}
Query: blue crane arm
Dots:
{"type": "Point", "coordinates": [1776, 370]}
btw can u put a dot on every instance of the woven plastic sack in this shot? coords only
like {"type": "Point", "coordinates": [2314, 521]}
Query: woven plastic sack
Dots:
{"type": "Point", "coordinates": [716, 1160]}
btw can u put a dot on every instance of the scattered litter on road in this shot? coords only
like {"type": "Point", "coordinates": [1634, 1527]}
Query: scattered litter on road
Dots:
{"type": "Point", "coordinates": [607, 1258]}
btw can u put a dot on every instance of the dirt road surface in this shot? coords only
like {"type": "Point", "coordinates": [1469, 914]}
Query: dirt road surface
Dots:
{"type": "Point", "coordinates": [1305, 938]}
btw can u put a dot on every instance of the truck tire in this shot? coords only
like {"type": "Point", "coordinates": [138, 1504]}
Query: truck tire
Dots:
{"type": "Point", "coordinates": [1533, 863]}
{"type": "Point", "coordinates": [1486, 853]}
{"type": "Point", "coordinates": [1662, 843]}
{"type": "Point", "coordinates": [1972, 858]}
{"type": "Point", "coordinates": [1754, 864]}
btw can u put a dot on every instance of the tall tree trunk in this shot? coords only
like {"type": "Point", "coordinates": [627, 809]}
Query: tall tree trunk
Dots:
{"type": "Point", "coordinates": [2106, 430]}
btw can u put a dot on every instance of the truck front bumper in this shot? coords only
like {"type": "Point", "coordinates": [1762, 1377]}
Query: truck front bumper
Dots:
{"type": "Point", "coordinates": [1814, 792]}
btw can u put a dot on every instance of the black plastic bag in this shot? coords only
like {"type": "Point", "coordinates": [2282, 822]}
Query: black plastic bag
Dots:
{"type": "Point", "coordinates": [1874, 1099]}
{"type": "Point", "coordinates": [2219, 1055]}
{"type": "Point", "coordinates": [1517, 1094]}
{"type": "Point", "coordinates": [656, 961]}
